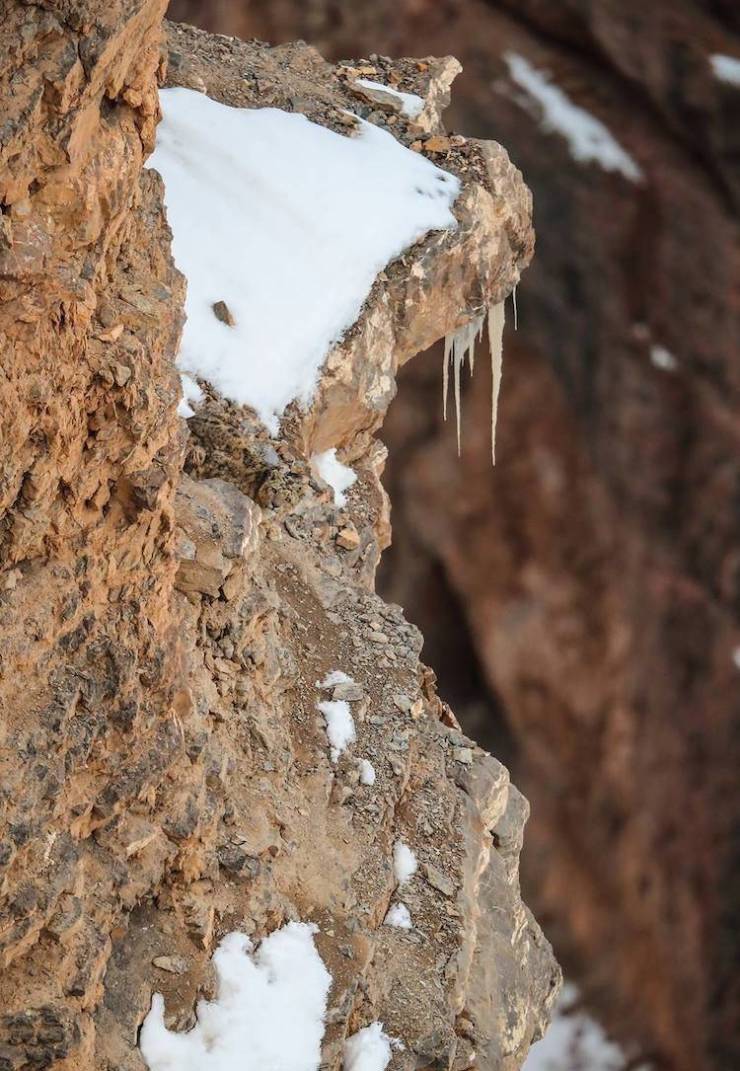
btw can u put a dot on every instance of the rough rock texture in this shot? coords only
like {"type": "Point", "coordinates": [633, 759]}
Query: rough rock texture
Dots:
{"type": "Point", "coordinates": [170, 597]}
{"type": "Point", "coordinates": [598, 567]}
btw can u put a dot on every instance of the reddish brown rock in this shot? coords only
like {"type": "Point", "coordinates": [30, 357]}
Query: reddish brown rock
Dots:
{"type": "Point", "coordinates": [597, 569]}
{"type": "Point", "coordinates": [166, 774]}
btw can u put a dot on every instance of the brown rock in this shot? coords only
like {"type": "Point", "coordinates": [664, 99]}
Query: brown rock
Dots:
{"type": "Point", "coordinates": [223, 313]}
{"type": "Point", "coordinates": [166, 776]}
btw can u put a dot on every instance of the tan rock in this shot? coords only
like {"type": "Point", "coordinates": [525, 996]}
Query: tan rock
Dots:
{"type": "Point", "coordinates": [165, 770]}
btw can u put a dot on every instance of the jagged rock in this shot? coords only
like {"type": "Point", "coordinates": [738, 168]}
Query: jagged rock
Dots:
{"type": "Point", "coordinates": [166, 772]}
{"type": "Point", "coordinates": [598, 565]}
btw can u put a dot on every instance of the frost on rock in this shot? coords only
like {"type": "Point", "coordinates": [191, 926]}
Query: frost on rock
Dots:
{"type": "Point", "coordinates": [340, 725]}
{"type": "Point", "coordinates": [460, 345]}
{"type": "Point", "coordinates": [367, 1050]}
{"type": "Point", "coordinates": [280, 227]}
{"type": "Point", "coordinates": [269, 1010]}
{"type": "Point", "coordinates": [726, 68]}
{"type": "Point", "coordinates": [589, 140]}
{"type": "Point", "coordinates": [398, 916]}
{"type": "Point", "coordinates": [411, 104]}
{"type": "Point", "coordinates": [404, 862]}
{"type": "Point", "coordinates": [338, 476]}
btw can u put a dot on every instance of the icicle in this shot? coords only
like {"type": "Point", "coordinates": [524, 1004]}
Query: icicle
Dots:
{"type": "Point", "coordinates": [458, 357]}
{"type": "Point", "coordinates": [457, 347]}
{"type": "Point", "coordinates": [516, 317]}
{"type": "Point", "coordinates": [449, 339]}
{"type": "Point", "coordinates": [495, 341]}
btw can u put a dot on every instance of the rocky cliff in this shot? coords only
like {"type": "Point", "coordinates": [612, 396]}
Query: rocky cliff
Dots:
{"type": "Point", "coordinates": [173, 594]}
{"type": "Point", "coordinates": [596, 570]}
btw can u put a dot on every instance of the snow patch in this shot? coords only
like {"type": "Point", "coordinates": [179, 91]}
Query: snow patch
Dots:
{"type": "Point", "coordinates": [367, 1050]}
{"type": "Point", "coordinates": [340, 725]}
{"type": "Point", "coordinates": [662, 358]}
{"type": "Point", "coordinates": [398, 916]}
{"type": "Point", "coordinates": [404, 862]}
{"type": "Point", "coordinates": [588, 139]}
{"type": "Point", "coordinates": [411, 104]}
{"type": "Point", "coordinates": [367, 772]}
{"type": "Point", "coordinates": [338, 476]}
{"type": "Point", "coordinates": [284, 984]}
{"type": "Point", "coordinates": [726, 68]}
{"type": "Point", "coordinates": [191, 395]}
{"type": "Point", "coordinates": [335, 677]}
{"type": "Point", "coordinates": [574, 1040]}
{"type": "Point", "coordinates": [283, 225]}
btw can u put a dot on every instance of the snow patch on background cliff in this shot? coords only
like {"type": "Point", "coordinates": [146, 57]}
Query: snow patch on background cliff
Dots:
{"type": "Point", "coordinates": [287, 224]}
{"type": "Point", "coordinates": [575, 1040]}
{"type": "Point", "coordinates": [588, 139]}
{"type": "Point", "coordinates": [726, 68]}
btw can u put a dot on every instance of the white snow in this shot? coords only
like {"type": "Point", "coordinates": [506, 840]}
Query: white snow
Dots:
{"type": "Point", "coordinates": [411, 104]}
{"type": "Point", "coordinates": [367, 1050]}
{"type": "Point", "coordinates": [398, 916]}
{"type": "Point", "coordinates": [335, 677]}
{"type": "Point", "coordinates": [288, 223]}
{"type": "Point", "coordinates": [338, 476]}
{"type": "Point", "coordinates": [269, 1011]}
{"type": "Point", "coordinates": [726, 68]}
{"type": "Point", "coordinates": [662, 358]}
{"type": "Point", "coordinates": [404, 862]}
{"type": "Point", "coordinates": [191, 392]}
{"type": "Point", "coordinates": [588, 139]}
{"type": "Point", "coordinates": [340, 725]}
{"type": "Point", "coordinates": [367, 772]}
{"type": "Point", "coordinates": [574, 1041]}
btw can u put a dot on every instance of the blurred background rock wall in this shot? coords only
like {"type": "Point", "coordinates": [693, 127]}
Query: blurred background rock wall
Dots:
{"type": "Point", "coordinates": [581, 601]}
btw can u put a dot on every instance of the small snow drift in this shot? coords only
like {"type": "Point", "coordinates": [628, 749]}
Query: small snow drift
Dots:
{"type": "Point", "coordinates": [404, 862]}
{"type": "Point", "coordinates": [287, 224]}
{"type": "Point", "coordinates": [588, 139]}
{"type": "Point", "coordinates": [284, 984]}
{"type": "Point", "coordinates": [338, 476]}
{"type": "Point", "coordinates": [367, 773]}
{"type": "Point", "coordinates": [411, 104]}
{"type": "Point", "coordinates": [340, 726]}
{"type": "Point", "coordinates": [398, 916]}
{"type": "Point", "coordinates": [367, 1050]}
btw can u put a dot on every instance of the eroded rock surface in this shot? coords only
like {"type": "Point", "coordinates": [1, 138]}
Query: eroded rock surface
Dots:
{"type": "Point", "coordinates": [172, 597]}
{"type": "Point", "coordinates": [596, 570]}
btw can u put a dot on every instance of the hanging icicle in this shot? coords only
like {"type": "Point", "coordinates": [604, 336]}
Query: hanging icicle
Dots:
{"type": "Point", "coordinates": [457, 348]}
{"type": "Point", "coordinates": [496, 344]}
{"type": "Point", "coordinates": [461, 345]}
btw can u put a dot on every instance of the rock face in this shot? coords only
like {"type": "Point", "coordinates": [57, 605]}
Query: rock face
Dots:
{"type": "Point", "coordinates": [598, 566]}
{"type": "Point", "coordinates": [172, 595]}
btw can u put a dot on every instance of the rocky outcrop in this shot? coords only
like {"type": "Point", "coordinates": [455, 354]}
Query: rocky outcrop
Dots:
{"type": "Point", "coordinates": [172, 595]}
{"type": "Point", "coordinates": [596, 570]}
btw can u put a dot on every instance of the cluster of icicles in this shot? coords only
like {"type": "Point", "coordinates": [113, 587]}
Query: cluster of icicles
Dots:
{"type": "Point", "coordinates": [461, 345]}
